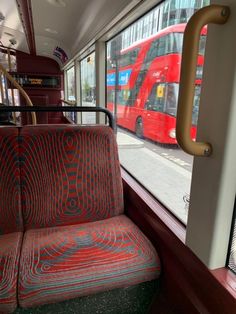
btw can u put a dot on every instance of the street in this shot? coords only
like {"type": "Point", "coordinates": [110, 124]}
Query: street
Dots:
{"type": "Point", "coordinates": [171, 152]}
{"type": "Point", "coordinates": [164, 171]}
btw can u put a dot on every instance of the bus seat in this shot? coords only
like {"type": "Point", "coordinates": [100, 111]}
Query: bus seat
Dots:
{"type": "Point", "coordinates": [69, 175]}
{"type": "Point", "coordinates": [78, 240]}
{"type": "Point", "coordinates": [11, 225]}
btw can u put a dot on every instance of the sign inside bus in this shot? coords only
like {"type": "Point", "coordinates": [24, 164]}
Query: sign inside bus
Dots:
{"type": "Point", "coordinates": [39, 81]}
{"type": "Point", "coordinates": [34, 81]}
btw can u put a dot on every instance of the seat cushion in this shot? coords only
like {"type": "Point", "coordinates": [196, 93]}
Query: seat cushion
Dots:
{"type": "Point", "coordinates": [70, 174]}
{"type": "Point", "coordinates": [68, 261]}
{"type": "Point", "coordinates": [10, 245]}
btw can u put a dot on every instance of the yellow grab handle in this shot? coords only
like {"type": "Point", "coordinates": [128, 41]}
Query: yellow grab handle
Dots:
{"type": "Point", "coordinates": [21, 90]}
{"type": "Point", "coordinates": [211, 14]}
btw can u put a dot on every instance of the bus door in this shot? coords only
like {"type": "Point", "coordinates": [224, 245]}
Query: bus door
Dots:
{"type": "Point", "coordinates": [154, 112]}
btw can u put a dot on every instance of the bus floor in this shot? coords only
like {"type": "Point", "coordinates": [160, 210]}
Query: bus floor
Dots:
{"type": "Point", "coordinates": [136, 299]}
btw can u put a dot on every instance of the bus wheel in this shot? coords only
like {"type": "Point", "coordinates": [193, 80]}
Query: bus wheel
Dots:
{"type": "Point", "coordinates": [139, 127]}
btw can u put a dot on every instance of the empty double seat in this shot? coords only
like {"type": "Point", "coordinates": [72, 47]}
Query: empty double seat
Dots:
{"type": "Point", "coordinates": [63, 231]}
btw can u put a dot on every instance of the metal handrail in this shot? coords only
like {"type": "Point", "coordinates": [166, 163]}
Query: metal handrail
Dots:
{"type": "Point", "coordinates": [211, 14]}
{"type": "Point", "coordinates": [60, 109]}
{"type": "Point", "coordinates": [68, 102]}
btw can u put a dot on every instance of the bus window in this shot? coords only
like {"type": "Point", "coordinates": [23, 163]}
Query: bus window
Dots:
{"type": "Point", "coordinates": [70, 75]}
{"type": "Point", "coordinates": [172, 99]}
{"type": "Point", "coordinates": [128, 58]}
{"type": "Point", "coordinates": [110, 95]}
{"type": "Point", "coordinates": [124, 97]}
{"type": "Point", "coordinates": [110, 65]}
{"type": "Point", "coordinates": [196, 102]}
{"type": "Point", "coordinates": [163, 98]}
{"type": "Point", "coordinates": [175, 42]}
{"type": "Point", "coordinates": [158, 48]}
{"type": "Point", "coordinates": [202, 44]}
{"type": "Point", "coordinates": [161, 50]}
{"type": "Point", "coordinates": [156, 99]}
{"type": "Point", "coordinates": [70, 92]}
{"type": "Point", "coordinates": [171, 43]}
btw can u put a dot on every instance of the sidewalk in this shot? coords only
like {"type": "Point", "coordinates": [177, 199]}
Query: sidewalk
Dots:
{"type": "Point", "coordinates": [126, 141]}
{"type": "Point", "coordinates": [169, 182]}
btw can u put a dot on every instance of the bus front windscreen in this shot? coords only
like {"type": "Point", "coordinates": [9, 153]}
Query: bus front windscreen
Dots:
{"type": "Point", "coordinates": [164, 98]}
{"type": "Point", "coordinates": [172, 93]}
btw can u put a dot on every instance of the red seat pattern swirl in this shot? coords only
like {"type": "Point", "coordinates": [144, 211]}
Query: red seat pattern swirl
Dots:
{"type": "Point", "coordinates": [77, 240]}
{"type": "Point", "coordinates": [11, 225]}
{"type": "Point", "coordinates": [70, 261]}
{"type": "Point", "coordinates": [70, 175]}
{"type": "Point", "coordinates": [10, 203]}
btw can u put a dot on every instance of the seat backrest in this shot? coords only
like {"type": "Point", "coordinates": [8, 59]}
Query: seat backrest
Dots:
{"type": "Point", "coordinates": [69, 175]}
{"type": "Point", "coordinates": [10, 204]}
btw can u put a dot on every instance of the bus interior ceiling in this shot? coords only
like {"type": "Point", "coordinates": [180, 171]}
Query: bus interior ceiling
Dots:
{"type": "Point", "coordinates": [97, 222]}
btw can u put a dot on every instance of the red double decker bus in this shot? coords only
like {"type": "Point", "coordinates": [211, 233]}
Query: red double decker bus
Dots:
{"type": "Point", "coordinates": [148, 85]}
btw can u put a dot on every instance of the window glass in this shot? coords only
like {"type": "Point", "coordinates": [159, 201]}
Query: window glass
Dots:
{"type": "Point", "coordinates": [156, 99]}
{"type": "Point", "coordinates": [111, 96]}
{"type": "Point", "coordinates": [124, 97]}
{"type": "Point", "coordinates": [128, 58]}
{"type": "Point", "coordinates": [196, 102]}
{"type": "Point", "coordinates": [165, 16]}
{"type": "Point", "coordinates": [88, 87]}
{"type": "Point", "coordinates": [171, 43]}
{"type": "Point", "coordinates": [231, 259]}
{"type": "Point", "coordinates": [109, 64]}
{"type": "Point", "coordinates": [71, 84]}
{"type": "Point", "coordinates": [153, 51]}
{"type": "Point", "coordinates": [8, 61]}
{"type": "Point", "coordinates": [9, 65]}
{"type": "Point", "coordinates": [144, 96]}
{"type": "Point", "coordinates": [175, 42]}
{"type": "Point", "coordinates": [3, 93]}
{"type": "Point", "coordinates": [13, 63]}
{"type": "Point", "coordinates": [70, 76]}
{"type": "Point", "coordinates": [202, 45]}
{"type": "Point", "coordinates": [164, 98]}
{"type": "Point", "coordinates": [232, 253]}
{"type": "Point", "coordinates": [172, 92]}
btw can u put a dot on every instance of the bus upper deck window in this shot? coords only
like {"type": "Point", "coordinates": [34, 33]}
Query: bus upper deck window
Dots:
{"type": "Point", "coordinates": [176, 42]}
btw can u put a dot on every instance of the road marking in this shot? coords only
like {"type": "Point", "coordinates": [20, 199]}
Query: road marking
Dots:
{"type": "Point", "coordinates": [178, 161]}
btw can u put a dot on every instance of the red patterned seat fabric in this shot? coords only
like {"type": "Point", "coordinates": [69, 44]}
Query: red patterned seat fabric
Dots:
{"type": "Point", "coordinates": [77, 241]}
{"type": "Point", "coordinates": [10, 207]}
{"type": "Point", "coordinates": [11, 225]}
{"type": "Point", "coordinates": [10, 245]}
{"type": "Point", "coordinates": [69, 261]}
{"type": "Point", "coordinates": [69, 174]}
